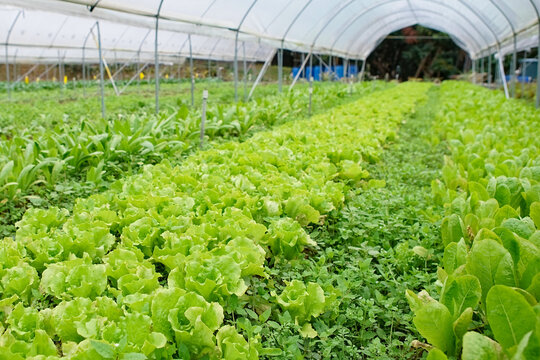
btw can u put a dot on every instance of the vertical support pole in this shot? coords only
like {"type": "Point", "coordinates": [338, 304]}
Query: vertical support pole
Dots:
{"type": "Point", "coordinates": [537, 12]}
{"type": "Point", "coordinates": [320, 68]}
{"type": "Point", "coordinates": [280, 68]}
{"type": "Point", "coordinates": [513, 66]}
{"type": "Point", "coordinates": [497, 75]}
{"type": "Point", "coordinates": [156, 57]}
{"type": "Point", "coordinates": [311, 67]}
{"type": "Point", "coordinates": [356, 69]}
{"type": "Point", "coordinates": [523, 72]}
{"type": "Point", "coordinates": [538, 65]}
{"type": "Point", "coordinates": [474, 71]}
{"type": "Point", "coordinates": [209, 68]}
{"type": "Point", "coordinates": [331, 63]}
{"type": "Point", "coordinates": [236, 50]}
{"type": "Point", "coordinates": [302, 57]}
{"type": "Point", "coordinates": [101, 76]}
{"type": "Point", "coordinates": [489, 69]}
{"type": "Point", "coordinates": [310, 94]}
{"type": "Point", "coordinates": [235, 65]}
{"type": "Point", "coordinates": [245, 70]}
{"type": "Point", "coordinates": [482, 69]}
{"type": "Point", "coordinates": [203, 117]}
{"type": "Point", "coordinates": [191, 72]}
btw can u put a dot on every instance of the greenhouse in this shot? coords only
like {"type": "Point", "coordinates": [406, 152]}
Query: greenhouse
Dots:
{"type": "Point", "coordinates": [256, 179]}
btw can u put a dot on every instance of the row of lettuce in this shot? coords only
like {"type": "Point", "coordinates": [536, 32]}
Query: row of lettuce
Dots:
{"type": "Point", "coordinates": [150, 268]}
{"type": "Point", "coordinates": [490, 272]}
{"type": "Point", "coordinates": [94, 149]}
{"type": "Point", "coordinates": [44, 166]}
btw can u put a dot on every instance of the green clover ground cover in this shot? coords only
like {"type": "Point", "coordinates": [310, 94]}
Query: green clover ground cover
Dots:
{"type": "Point", "coordinates": [370, 252]}
{"type": "Point", "coordinates": [169, 263]}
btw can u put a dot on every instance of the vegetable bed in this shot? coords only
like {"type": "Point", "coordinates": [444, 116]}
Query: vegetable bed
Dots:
{"type": "Point", "coordinates": [163, 264]}
{"type": "Point", "coordinates": [490, 272]}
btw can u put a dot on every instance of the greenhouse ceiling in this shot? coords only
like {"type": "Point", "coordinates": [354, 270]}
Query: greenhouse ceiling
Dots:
{"type": "Point", "coordinates": [347, 28]}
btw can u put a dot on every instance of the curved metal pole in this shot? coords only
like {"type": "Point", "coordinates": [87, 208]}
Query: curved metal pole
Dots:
{"type": "Point", "coordinates": [372, 25]}
{"type": "Point", "coordinates": [481, 18]}
{"type": "Point", "coordinates": [369, 9]}
{"type": "Point", "coordinates": [360, 15]}
{"type": "Point", "coordinates": [538, 62]}
{"type": "Point", "coordinates": [464, 3]}
{"type": "Point", "coordinates": [342, 8]}
{"type": "Point", "coordinates": [236, 49]}
{"type": "Point", "coordinates": [6, 47]}
{"type": "Point", "coordinates": [295, 19]}
{"type": "Point", "coordinates": [377, 5]}
{"type": "Point", "coordinates": [498, 46]}
{"type": "Point", "coordinates": [412, 10]}
{"type": "Point", "coordinates": [156, 57]}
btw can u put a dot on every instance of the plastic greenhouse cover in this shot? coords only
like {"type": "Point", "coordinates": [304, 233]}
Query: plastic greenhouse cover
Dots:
{"type": "Point", "coordinates": [348, 28]}
{"type": "Point", "coordinates": [47, 36]}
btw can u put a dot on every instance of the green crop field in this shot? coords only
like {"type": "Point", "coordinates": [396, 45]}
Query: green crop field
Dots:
{"type": "Point", "coordinates": [394, 221]}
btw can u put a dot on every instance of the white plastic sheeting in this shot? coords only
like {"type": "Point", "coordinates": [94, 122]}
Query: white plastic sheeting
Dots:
{"type": "Point", "coordinates": [48, 36]}
{"type": "Point", "coordinates": [348, 28]}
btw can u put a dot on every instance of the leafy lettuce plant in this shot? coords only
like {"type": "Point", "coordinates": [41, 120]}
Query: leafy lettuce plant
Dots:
{"type": "Point", "coordinates": [74, 278]}
{"type": "Point", "coordinates": [287, 238]}
{"type": "Point", "coordinates": [303, 302]}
